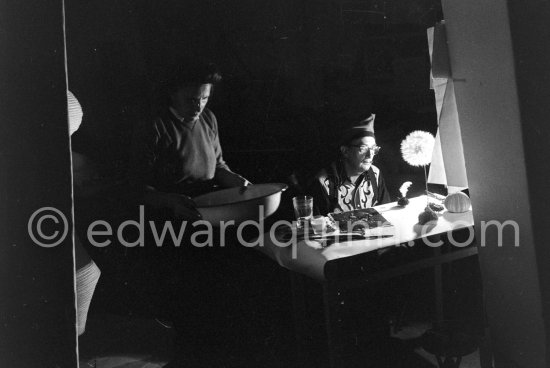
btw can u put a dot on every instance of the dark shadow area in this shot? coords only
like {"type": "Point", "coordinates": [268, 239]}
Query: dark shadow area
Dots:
{"type": "Point", "coordinates": [294, 74]}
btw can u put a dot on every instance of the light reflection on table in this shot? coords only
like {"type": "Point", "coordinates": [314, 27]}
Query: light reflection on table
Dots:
{"type": "Point", "coordinates": [310, 259]}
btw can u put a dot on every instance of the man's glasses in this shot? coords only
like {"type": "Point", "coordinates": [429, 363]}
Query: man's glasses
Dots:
{"type": "Point", "coordinates": [363, 148]}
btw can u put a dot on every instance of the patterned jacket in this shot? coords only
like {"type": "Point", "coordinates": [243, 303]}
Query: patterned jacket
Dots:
{"type": "Point", "coordinates": [334, 192]}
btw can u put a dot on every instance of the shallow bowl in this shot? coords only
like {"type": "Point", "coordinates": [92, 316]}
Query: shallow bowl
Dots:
{"type": "Point", "coordinates": [253, 202]}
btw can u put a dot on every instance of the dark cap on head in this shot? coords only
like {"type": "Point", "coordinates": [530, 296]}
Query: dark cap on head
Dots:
{"type": "Point", "coordinates": [363, 128]}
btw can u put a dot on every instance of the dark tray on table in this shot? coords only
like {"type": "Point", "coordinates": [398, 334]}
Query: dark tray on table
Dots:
{"type": "Point", "coordinates": [365, 218]}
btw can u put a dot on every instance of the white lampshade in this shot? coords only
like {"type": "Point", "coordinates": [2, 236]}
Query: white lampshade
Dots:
{"type": "Point", "coordinates": [75, 112]}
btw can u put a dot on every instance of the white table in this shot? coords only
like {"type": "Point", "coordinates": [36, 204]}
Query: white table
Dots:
{"type": "Point", "coordinates": [323, 264]}
{"type": "Point", "coordinates": [309, 259]}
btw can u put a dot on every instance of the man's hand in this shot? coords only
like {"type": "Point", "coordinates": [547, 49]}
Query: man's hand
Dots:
{"type": "Point", "coordinates": [229, 179]}
{"type": "Point", "coordinates": [183, 206]}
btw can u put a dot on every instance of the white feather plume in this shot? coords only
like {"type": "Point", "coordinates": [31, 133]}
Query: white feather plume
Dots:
{"type": "Point", "coordinates": [404, 188]}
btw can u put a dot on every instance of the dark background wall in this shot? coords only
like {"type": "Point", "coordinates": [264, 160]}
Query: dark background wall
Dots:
{"type": "Point", "coordinates": [293, 72]}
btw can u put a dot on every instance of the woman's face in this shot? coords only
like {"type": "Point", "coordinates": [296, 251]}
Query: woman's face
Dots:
{"type": "Point", "coordinates": [190, 100]}
{"type": "Point", "coordinates": [358, 154]}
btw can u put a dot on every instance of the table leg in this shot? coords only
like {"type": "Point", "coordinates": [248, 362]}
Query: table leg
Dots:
{"type": "Point", "coordinates": [300, 314]}
{"type": "Point", "coordinates": [328, 301]}
{"type": "Point", "coordinates": [333, 303]}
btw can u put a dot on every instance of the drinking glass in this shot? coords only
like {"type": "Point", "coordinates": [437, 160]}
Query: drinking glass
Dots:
{"type": "Point", "coordinates": [319, 224]}
{"type": "Point", "coordinates": [303, 209]}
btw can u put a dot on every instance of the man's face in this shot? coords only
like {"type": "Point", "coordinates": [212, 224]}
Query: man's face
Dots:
{"type": "Point", "coordinates": [190, 100]}
{"type": "Point", "coordinates": [358, 154]}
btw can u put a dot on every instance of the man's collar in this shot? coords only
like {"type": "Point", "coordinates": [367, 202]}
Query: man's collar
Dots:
{"type": "Point", "coordinates": [343, 174]}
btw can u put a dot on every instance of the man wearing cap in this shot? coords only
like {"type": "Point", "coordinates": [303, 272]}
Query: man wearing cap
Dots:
{"type": "Point", "coordinates": [352, 181]}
